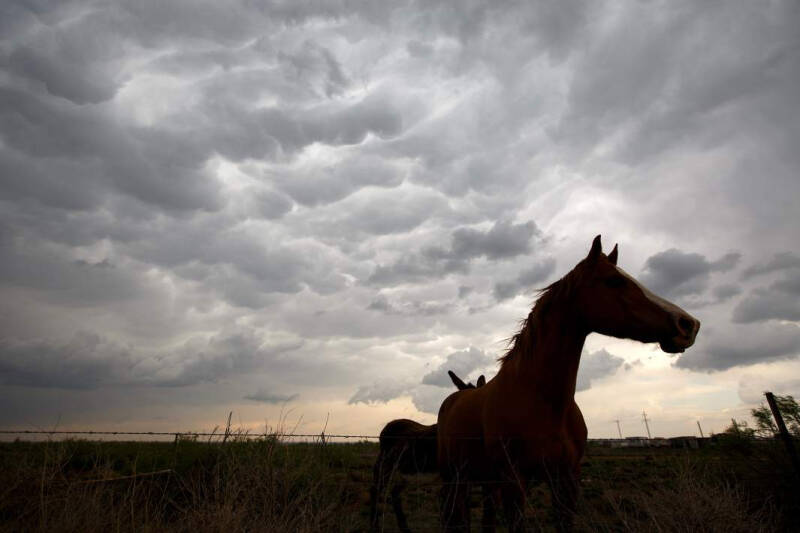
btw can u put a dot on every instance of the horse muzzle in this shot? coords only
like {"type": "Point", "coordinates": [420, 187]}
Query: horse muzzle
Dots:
{"type": "Point", "coordinates": [685, 328]}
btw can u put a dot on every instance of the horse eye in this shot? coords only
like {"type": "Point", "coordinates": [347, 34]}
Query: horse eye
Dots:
{"type": "Point", "coordinates": [615, 282]}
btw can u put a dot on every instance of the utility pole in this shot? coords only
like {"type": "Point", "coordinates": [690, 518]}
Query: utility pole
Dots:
{"type": "Point", "coordinates": [701, 430]}
{"type": "Point", "coordinates": [618, 429]}
{"type": "Point", "coordinates": [644, 417]}
{"type": "Point", "coordinates": [787, 439]}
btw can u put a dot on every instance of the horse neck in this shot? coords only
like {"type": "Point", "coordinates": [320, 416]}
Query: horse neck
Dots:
{"type": "Point", "coordinates": [548, 372]}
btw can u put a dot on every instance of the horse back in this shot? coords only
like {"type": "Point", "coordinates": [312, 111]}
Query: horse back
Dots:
{"type": "Point", "coordinates": [410, 445]}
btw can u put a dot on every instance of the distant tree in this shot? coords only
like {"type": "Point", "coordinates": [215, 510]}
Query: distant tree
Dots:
{"type": "Point", "coordinates": [765, 423]}
{"type": "Point", "coordinates": [739, 428]}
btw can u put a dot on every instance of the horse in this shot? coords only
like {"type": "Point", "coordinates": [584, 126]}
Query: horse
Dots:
{"type": "Point", "coordinates": [406, 447]}
{"type": "Point", "coordinates": [524, 425]}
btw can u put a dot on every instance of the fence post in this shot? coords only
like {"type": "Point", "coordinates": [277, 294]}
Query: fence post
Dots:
{"type": "Point", "coordinates": [787, 439]}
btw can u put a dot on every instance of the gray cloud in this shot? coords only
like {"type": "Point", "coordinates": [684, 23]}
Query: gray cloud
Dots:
{"type": "Point", "coordinates": [463, 363]}
{"type": "Point", "coordinates": [170, 170]}
{"type": "Point", "coordinates": [525, 280]}
{"type": "Point", "coordinates": [779, 301]}
{"type": "Point", "coordinates": [264, 396]}
{"type": "Point", "coordinates": [778, 262]}
{"type": "Point", "coordinates": [89, 361]}
{"type": "Point", "coordinates": [428, 399]}
{"type": "Point", "coordinates": [379, 392]}
{"type": "Point", "coordinates": [725, 292]}
{"type": "Point", "coordinates": [411, 308]}
{"type": "Point", "coordinates": [596, 365]}
{"type": "Point", "coordinates": [86, 361]}
{"type": "Point", "coordinates": [742, 345]}
{"type": "Point", "coordinates": [677, 273]}
{"type": "Point", "coordinates": [503, 240]}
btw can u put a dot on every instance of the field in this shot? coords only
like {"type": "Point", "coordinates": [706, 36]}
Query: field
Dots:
{"type": "Point", "coordinates": [269, 484]}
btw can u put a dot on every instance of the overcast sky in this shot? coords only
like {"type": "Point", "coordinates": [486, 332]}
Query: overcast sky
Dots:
{"type": "Point", "coordinates": [300, 210]}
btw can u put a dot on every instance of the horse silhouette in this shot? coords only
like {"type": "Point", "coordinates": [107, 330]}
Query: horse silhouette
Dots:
{"type": "Point", "coordinates": [523, 425]}
{"type": "Point", "coordinates": [406, 447]}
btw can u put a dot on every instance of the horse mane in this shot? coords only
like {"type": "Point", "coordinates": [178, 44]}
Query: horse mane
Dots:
{"type": "Point", "coordinates": [523, 341]}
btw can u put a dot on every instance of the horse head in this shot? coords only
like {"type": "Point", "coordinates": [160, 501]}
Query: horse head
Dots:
{"type": "Point", "coordinates": [611, 302]}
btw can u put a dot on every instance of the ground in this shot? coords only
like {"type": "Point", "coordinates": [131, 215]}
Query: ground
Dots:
{"type": "Point", "coordinates": [271, 484]}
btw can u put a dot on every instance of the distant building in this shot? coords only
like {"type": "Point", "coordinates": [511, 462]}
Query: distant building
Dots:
{"type": "Point", "coordinates": [686, 442]}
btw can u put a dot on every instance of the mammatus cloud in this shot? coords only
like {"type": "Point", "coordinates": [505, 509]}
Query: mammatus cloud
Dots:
{"type": "Point", "coordinates": [504, 240]}
{"type": "Point", "coordinates": [195, 182]}
{"type": "Point", "coordinates": [676, 273]}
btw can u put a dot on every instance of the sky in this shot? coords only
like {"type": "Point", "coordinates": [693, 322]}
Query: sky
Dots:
{"type": "Point", "coordinates": [306, 212]}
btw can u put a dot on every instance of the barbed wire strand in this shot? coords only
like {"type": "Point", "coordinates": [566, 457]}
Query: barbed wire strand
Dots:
{"type": "Point", "coordinates": [278, 434]}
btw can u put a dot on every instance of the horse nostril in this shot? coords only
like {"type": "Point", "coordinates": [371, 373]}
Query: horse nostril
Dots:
{"type": "Point", "coordinates": [685, 325]}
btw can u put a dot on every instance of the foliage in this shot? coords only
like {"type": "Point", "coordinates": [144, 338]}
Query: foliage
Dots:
{"type": "Point", "coordinates": [765, 423]}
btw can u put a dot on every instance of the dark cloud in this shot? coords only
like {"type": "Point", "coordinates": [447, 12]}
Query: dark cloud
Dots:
{"type": "Point", "coordinates": [171, 169]}
{"type": "Point", "coordinates": [596, 365]}
{"type": "Point", "coordinates": [268, 397]}
{"type": "Point", "coordinates": [86, 361]}
{"type": "Point", "coordinates": [526, 280]}
{"type": "Point", "coordinates": [89, 361]}
{"type": "Point", "coordinates": [463, 363]}
{"type": "Point", "coordinates": [742, 345]}
{"type": "Point", "coordinates": [503, 240]}
{"type": "Point", "coordinates": [677, 273]}
{"type": "Point", "coordinates": [779, 261]}
{"type": "Point", "coordinates": [725, 292]}
{"type": "Point", "coordinates": [132, 160]}
{"type": "Point", "coordinates": [270, 204]}
{"type": "Point", "coordinates": [779, 301]}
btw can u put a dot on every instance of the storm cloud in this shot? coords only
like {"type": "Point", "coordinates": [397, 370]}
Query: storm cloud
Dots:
{"type": "Point", "coordinates": [677, 273]}
{"type": "Point", "coordinates": [251, 200]}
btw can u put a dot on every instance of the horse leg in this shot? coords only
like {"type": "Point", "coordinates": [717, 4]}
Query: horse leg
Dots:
{"type": "Point", "coordinates": [564, 489]}
{"type": "Point", "coordinates": [376, 492]}
{"type": "Point", "coordinates": [397, 505]}
{"type": "Point", "coordinates": [455, 505]}
{"type": "Point", "coordinates": [489, 516]}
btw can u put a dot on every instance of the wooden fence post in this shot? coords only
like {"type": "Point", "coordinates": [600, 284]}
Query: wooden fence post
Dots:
{"type": "Point", "coordinates": [787, 439]}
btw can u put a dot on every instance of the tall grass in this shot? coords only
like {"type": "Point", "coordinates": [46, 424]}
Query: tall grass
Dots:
{"type": "Point", "coordinates": [234, 483]}
{"type": "Point", "coordinates": [253, 485]}
{"type": "Point", "coordinates": [690, 498]}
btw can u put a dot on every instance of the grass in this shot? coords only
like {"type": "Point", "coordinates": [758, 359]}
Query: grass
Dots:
{"type": "Point", "coordinates": [268, 484]}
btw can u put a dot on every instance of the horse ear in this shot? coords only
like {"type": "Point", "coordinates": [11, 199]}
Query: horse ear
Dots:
{"type": "Point", "coordinates": [460, 385]}
{"type": "Point", "coordinates": [613, 255]}
{"type": "Point", "coordinates": [481, 380]}
{"type": "Point", "coordinates": [597, 249]}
